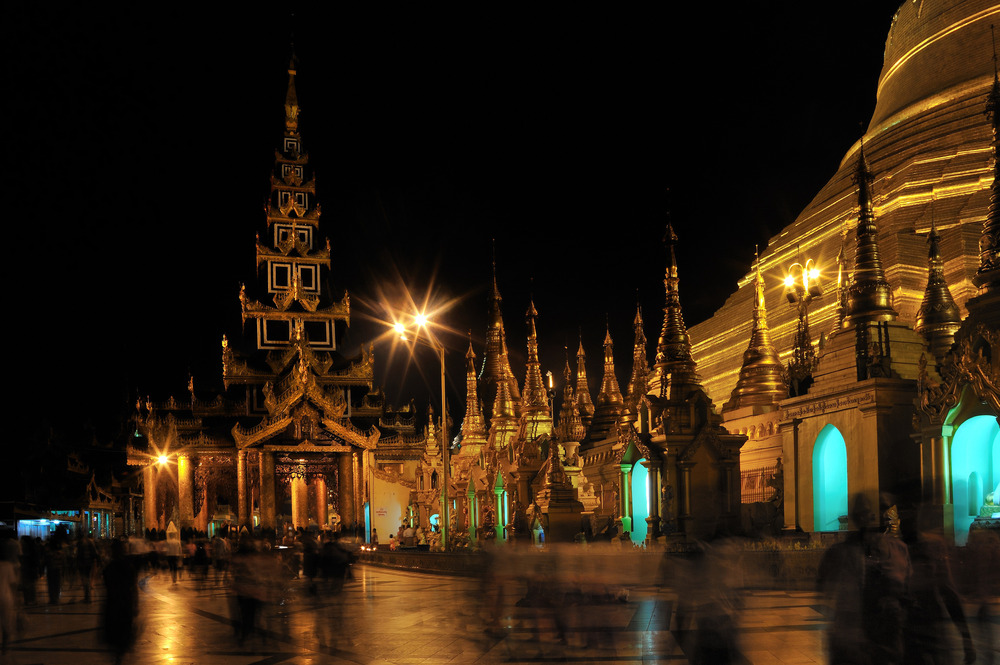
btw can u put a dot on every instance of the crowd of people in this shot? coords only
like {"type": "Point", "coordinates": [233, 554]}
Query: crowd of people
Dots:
{"type": "Point", "coordinates": [255, 567]}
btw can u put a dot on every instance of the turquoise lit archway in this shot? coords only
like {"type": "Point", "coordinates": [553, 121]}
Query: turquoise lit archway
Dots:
{"type": "Point", "coordinates": [640, 502]}
{"type": "Point", "coordinates": [975, 470]}
{"type": "Point", "coordinates": [829, 479]}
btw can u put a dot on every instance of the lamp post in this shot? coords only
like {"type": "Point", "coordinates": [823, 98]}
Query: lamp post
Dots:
{"type": "Point", "coordinates": [802, 286]}
{"type": "Point", "coordinates": [422, 322]}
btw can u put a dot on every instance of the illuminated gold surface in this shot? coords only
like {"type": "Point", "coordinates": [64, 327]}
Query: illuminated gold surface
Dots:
{"type": "Point", "coordinates": [761, 381]}
{"type": "Point", "coordinates": [938, 318]}
{"type": "Point", "coordinates": [473, 425]}
{"type": "Point", "coordinates": [928, 147]}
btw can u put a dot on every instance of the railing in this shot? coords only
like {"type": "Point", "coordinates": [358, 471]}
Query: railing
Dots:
{"type": "Point", "coordinates": [753, 484]}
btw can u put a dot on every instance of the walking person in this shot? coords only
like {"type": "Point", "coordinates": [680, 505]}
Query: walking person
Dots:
{"type": "Point", "coordinates": [121, 604]}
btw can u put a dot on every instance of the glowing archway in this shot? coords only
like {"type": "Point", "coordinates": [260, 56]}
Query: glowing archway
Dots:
{"type": "Point", "coordinates": [829, 479]}
{"type": "Point", "coordinates": [640, 502]}
{"type": "Point", "coordinates": [975, 470]}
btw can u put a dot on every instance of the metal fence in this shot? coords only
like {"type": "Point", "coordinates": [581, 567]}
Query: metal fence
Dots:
{"type": "Point", "coordinates": [753, 484]}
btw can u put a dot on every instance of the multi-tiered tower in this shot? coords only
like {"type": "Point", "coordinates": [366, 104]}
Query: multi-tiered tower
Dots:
{"type": "Point", "coordinates": [289, 429]}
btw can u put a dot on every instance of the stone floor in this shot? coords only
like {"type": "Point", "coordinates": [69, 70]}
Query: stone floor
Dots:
{"type": "Point", "coordinates": [389, 616]}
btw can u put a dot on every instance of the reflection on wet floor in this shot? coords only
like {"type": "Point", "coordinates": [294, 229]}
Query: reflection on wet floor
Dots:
{"type": "Point", "coordinates": [531, 609]}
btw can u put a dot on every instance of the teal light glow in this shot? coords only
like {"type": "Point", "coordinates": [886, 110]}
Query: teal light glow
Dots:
{"type": "Point", "coordinates": [640, 503]}
{"type": "Point", "coordinates": [829, 479]}
{"type": "Point", "coordinates": [975, 470]}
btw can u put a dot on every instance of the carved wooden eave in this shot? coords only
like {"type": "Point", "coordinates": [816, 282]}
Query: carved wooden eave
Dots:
{"type": "Point", "coordinates": [719, 443]}
{"type": "Point", "coordinates": [254, 436]}
{"type": "Point", "coordinates": [292, 183]}
{"type": "Point", "coordinates": [348, 432]}
{"type": "Point", "coordinates": [305, 255]}
{"type": "Point", "coordinates": [628, 436]}
{"type": "Point", "coordinates": [965, 364]}
{"type": "Point", "coordinates": [300, 158]}
{"type": "Point", "coordinates": [254, 309]}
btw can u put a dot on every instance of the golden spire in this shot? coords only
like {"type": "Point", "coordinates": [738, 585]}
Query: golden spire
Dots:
{"type": "Point", "coordinates": [938, 318]}
{"type": "Point", "coordinates": [570, 426]}
{"type": "Point", "coordinates": [496, 366]}
{"type": "Point", "coordinates": [583, 400]}
{"type": "Point", "coordinates": [535, 397]}
{"type": "Point", "coordinates": [473, 426]}
{"type": "Point", "coordinates": [988, 276]}
{"type": "Point", "coordinates": [761, 381]}
{"type": "Point", "coordinates": [843, 281]}
{"type": "Point", "coordinates": [610, 393]}
{"type": "Point", "coordinates": [638, 382]}
{"type": "Point", "coordinates": [674, 363]}
{"type": "Point", "coordinates": [503, 424]}
{"type": "Point", "coordinates": [869, 297]}
{"type": "Point", "coordinates": [291, 102]}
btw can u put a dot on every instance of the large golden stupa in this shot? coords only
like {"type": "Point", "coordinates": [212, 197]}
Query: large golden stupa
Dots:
{"type": "Point", "coordinates": [928, 149]}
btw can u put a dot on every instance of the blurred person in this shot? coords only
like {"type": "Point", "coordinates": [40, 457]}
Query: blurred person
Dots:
{"type": "Point", "coordinates": [935, 603]}
{"type": "Point", "coordinates": [55, 563]}
{"type": "Point", "coordinates": [886, 590]}
{"type": "Point", "coordinates": [984, 557]}
{"type": "Point", "coordinates": [842, 573]}
{"type": "Point", "coordinates": [31, 566]}
{"type": "Point", "coordinates": [717, 601]}
{"type": "Point", "coordinates": [173, 550]}
{"type": "Point", "coordinates": [88, 561]}
{"type": "Point", "coordinates": [249, 587]}
{"type": "Point", "coordinates": [9, 561]}
{"type": "Point", "coordinates": [121, 603]}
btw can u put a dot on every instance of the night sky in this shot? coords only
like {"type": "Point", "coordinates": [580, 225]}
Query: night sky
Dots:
{"type": "Point", "coordinates": [140, 147]}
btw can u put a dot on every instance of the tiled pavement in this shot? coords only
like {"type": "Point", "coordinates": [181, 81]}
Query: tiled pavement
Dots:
{"type": "Point", "coordinates": [388, 616]}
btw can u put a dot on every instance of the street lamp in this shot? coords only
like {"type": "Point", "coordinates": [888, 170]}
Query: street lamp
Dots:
{"type": "Point", "coordinates": [802, 286]}
{"type": "Point", "coordinates": [421, 322]}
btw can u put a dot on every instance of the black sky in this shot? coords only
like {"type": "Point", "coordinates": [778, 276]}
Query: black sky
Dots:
{"type": "Point", "coordinates": [140, 146]}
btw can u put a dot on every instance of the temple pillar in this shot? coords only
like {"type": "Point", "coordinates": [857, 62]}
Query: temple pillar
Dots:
{"type": "Point", "coordinates": [473, 516]}
{"type": "Point", "coordinates": [790, 461]}
{"type": "Point", "coordinates": [625, 497]}
{"type": "Point", "coordinates": [300, 501]}
{"type": "Point", "coordinates": [242, 493]}
{"type": "Point", "coordinates": [322, 514]}
{"type": "Point", "coordinates": [185, 490]}
{"type": "Point", "coordinates": [268, 518]}
{"type": "Point", "coordinates": [150, 517]}
{"type": "Point", "coordinates": [501, 524]}
{"type": "Point", "coordinates": [345, 492]}
{"type": "Point", "coordinates": [653, 495]}
{"type": "Point", "coordinates": [685, 507]}
{"type": "Point", "coordinates": [941, 467]}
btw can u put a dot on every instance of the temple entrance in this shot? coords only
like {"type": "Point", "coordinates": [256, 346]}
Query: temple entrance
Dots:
{"type": "Point", "coordinates": [975, 472]}
{"type": "Point", "coordinates": [640, 502]}
{"type": "Point", "coordinates": [830, 480]}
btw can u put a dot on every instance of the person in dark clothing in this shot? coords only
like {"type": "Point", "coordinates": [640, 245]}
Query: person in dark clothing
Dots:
{"type": "Point", "coordinates": [121, 604]}
{"type": "Point", "coordinates": [87, 562]}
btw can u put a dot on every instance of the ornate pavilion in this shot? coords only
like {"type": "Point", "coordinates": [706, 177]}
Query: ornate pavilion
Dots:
{"type": "Point", "coordinates": [295, 432]}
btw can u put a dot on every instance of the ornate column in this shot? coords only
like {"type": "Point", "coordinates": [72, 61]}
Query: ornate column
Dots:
{"type": "Point", "coordinates": [790, 455]}
{"type": "Point", "coordinates": [345, 491]}
{"type": "Point", "coordinates": [268, 519]}
{"type": "Point", "coordinates": [473, 516]}
{"type": "Point", "coordinates": [625, 496]}
{"type": "Point", "coordinates": [150, 517]}
{"type": "Point", "coordinates": [501, 515]}
{"type": "Point", "coordinates": [685, 507]}
{"type": "Point", "coordinates": [185, 490]}
{"type": "Point", "coordinates": [319, 486]}
{"type": "Point", "coordinates": [300, 499]}
{"type": "Point", "coordinates": [653, 497]}
{"type": "Point", "coordinates": [941, 461]}
{"type": "Point", "coordinates": [242, 493]}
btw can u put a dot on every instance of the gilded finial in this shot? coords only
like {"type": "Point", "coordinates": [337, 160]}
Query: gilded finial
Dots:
{"type": "Point", "coordinates": [938, 318]}
{"type": "Point", "coordinates": [761, 381]}
{"type": "Point", "coordinates": [869, 295]}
